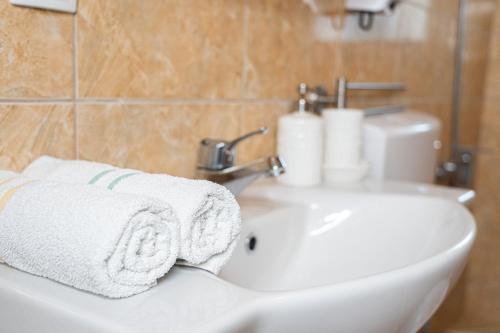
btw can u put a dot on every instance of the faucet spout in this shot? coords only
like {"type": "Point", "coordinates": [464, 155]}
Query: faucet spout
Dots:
{"type": "Point", "coordinates": [237, 178]}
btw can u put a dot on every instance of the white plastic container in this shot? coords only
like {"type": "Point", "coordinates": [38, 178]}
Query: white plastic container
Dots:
{"type": "Point", "coordinates": [343, 137]}
{"type": "Point", "coordinates": [402, 146]}
{"type": "Point", "coordinates": [300, 145]}
{"type": "Point", "coordinates": [344, 146]}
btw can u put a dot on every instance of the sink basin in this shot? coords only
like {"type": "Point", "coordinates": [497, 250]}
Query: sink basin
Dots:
{"type": "Point", "coordinates": [317, 259]}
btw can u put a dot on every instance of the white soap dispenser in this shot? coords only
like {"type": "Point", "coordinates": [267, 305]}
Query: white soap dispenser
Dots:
{"type": "Point", "coordinates": [300, 145]}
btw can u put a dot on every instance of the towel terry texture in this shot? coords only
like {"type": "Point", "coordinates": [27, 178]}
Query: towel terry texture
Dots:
{"type": "Point", "coordinates": [112, 244]}
{"type": "Point", "coordinates": [209, 215]}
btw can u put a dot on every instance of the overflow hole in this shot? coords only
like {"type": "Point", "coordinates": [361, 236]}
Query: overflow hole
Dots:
{"type": "Point", "coordinates": [251, 243]}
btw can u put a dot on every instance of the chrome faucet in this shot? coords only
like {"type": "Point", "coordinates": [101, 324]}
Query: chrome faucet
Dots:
{"type": "Point", "coordinates": [216, 159]}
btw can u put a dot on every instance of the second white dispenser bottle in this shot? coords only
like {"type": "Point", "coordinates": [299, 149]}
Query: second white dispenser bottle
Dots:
{"type": "Point", "coordinates": [343, 146]}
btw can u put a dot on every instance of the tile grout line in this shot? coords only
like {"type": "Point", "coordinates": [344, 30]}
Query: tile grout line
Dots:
{"type": "Point", "coordinates": [244, 50]}
{"type": "Point", "coordinates": [160, 101]}
{"type": "Point", "coordinates": [398, 68]}
{"type": "Point", "coordinates": [89, 101]}
{"type": "Point", "coordinates": [244, 64]}
{"type": "Point", "coordinates": [177, 101]}
{"type": "Point", "coordinates": [75, 58]}
{"type": "Point", "coordinates": [253, 101]}
{"type": "Point", "coordinates": [75, 86]}
{"type": "Point", "coordinates": [36, 101]}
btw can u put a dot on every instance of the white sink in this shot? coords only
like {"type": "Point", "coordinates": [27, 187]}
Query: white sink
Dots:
{"type": "Point", "coordinates": [369, 259]}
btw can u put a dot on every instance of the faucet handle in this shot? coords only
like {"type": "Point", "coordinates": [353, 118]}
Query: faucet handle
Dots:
{"type": "Point", "coordinates": [232, 144]}
{"type": "Point", "coordinates": [219, 154]}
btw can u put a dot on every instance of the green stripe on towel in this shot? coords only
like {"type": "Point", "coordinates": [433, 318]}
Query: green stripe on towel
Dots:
{"type": "Point", "coordinates": [119, 179]}
{"type": "Point", "coordinates": [99, 176]}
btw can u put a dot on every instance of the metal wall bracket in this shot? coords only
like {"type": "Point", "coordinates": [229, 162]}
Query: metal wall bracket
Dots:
{"type": "Point", "coordinates": [459, 171]}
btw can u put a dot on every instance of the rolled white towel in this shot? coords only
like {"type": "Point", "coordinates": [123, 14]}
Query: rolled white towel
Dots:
{"type": "Point", "coordinates": [209, 215]}
{"type": "Point", "coordinates": [112, 244]}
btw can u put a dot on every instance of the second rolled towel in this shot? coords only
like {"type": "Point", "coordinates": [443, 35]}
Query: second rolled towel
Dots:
{"type": "Point", "coordinates": [209, 215]}
{"type": "Point", "coordinates": [107, 243]}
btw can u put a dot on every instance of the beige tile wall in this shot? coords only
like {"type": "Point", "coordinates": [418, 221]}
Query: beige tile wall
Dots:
{"type": "Point", "coordinates": [152, 137]}
{"type": "Point", "coordinates": [139, 83]}
{"type": "Point", "coordinates": [35, 54]}
{"type": "Point", "coordinates": [482, 290]}
{"type": "Point", "coordinates": [28, 130]}
{"type": "Point", "coordinates": [474, 305]}
{"type": "Point", "coordinates": [160, 49]}
{"type": "Point", "coordinates": [479, 20]}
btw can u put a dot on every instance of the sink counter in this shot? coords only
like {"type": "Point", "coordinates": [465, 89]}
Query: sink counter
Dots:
{"type": "Point", "coordinates": [321, 258]}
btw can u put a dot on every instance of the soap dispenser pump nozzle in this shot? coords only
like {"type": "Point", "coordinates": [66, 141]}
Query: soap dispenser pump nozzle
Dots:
{"type": "Point", "coordinates": [302, 103]}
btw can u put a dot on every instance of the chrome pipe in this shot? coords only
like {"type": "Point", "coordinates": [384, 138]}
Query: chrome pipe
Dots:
{"type": "Point", "coordinates": [457, 79]}
{"type": "Point", "coordinates": [375, 86]}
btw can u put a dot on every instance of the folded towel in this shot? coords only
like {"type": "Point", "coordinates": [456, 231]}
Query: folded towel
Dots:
{"type": "Point", "coordinates": [209, 215]}
{"type": "Point", "coordinates": [112, 244]}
